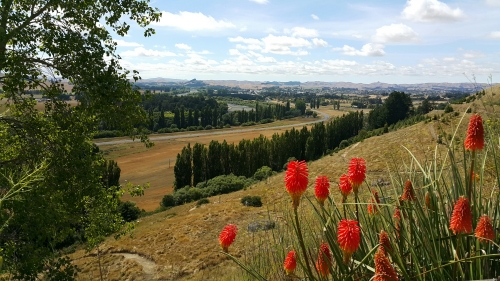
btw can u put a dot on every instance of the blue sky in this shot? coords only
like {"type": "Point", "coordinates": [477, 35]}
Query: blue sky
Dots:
{"type": "Point", "coordinates": [414, 41]}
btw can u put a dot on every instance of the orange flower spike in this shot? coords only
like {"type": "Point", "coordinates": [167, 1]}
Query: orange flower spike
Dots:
{"type": "Point", "coordinates": [321, 189]}
{"type": "Point", "coordinates": [461, 218]}
{"type": "Point", "coordinates": [385, 242]}
{"type": "Point", "coordinates": [348, 237]}
{"type": "Point", "coordinates": [373, 207]}
{"type": "Point", "coordinates": [475, 133]}
{"type": "Point", "coordinates": [357, 173]}
{"type": "Point", "coordinates": [484, 229]}
{"type": "Point", "coordinates": [324, 261]}
{"type": "Point", "coordinates": [227, 236]}
{"type": "Point", "coordinates": [345, 185]}
{"type": "Point", "coordinates": [383, 268]}
{"type": "Point", "coordinates": [397, 216]}
{"type": "Point", "coordinates": [408, 192]}
{"type": "Point", "coordinates": [290, 263]}
{"type": "Point", "coordinates": [296, 180]}
{"type": "Point", "coordinates": [428, 200]}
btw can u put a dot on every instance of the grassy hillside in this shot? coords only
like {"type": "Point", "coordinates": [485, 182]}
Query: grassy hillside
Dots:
{"type": "Point", "coordinates": [182, 243]}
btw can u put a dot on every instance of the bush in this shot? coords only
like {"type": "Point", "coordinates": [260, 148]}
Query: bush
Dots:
{"type": "Point", "coordinates": [129, 211]}
{"type": "Point", "coordinates": [246, 124]}
{"type": "Point", "coordinates": [223, 184]}
{"type": "Point", "coordinates": [108, 134]}
{"type": "Point", "coordinates": [168, 201]}
{"type": "Point", "coordinates": [252, 201]}
{"type": "Point", "coordinates": [263, 173]}
{"type": "Point", "coordinates": [202, 201]}
{"type": "Point", "coordinates": [448, 108]}
{"type": "Point", "coordinates": [164, 130]}
{"type": "Point", "coordinates": [208, 127]}
{"type": "Point", "coordinates": [227, 126]}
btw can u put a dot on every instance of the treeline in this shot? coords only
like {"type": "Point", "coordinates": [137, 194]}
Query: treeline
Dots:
{"type": "Point", "coordinates": [200, 163]}
{"type": "Point", "coordinates": [169, 102]}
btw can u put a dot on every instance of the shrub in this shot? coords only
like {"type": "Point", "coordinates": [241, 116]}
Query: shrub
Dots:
{"type": "Point", "coordinates": [263, 173]}
{"type": "Point", "coordinates": [168, 201]}
{"type": "Point", "coordinates": [223, 184]}
{"type": "Point", "coordinates": [448, 108]}
{"type": "Point", "coordinates": [164, 130]}
{"type": "Point", "coordinates": [129, 211]}
{"type": "Point", "coordinates": [108, 134]}
{"type": "Point", "coordinates": [202, 201]}
{"type": "Point", "coordinates": [252, 201]}
{"type": "Point", "coordinates": [246, 124]}
{"type": "Point", "coordinates": [208, 127]}
{"type": "Point", "coordinates": [227, 126]}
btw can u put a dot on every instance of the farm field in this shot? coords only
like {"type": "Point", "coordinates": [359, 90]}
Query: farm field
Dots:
{"type": "Point", "coordinates": [155, 165]}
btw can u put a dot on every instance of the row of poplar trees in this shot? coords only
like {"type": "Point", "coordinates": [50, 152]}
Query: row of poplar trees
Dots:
{"type": "Point", "coordinates": [200, 163]}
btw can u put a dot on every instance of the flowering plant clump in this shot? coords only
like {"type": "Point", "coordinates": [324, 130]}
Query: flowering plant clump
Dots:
{"type": "Point", "coordinates": [433, 230]}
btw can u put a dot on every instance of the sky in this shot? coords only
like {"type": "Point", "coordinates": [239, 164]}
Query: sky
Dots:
{"type": "Point", "coordinates": [414, 41]}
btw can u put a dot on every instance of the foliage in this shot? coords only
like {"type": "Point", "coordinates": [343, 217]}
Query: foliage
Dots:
{"type": "Point", "coordinates": [301, 106]}
{"type": "Point", "coordinates": [168, 201]}
{"type": "Point", "coordinates": [129, 211]}
{"type": "Point", "coordinates": [263, 173]}
{"type": "Point", "coordinates": [202, 202]}
{"type": "Point", "coordinates": [448, 108]}
{"type": "Point", "coordinates": [42, 42]}
{"type": "Point", "coordinates": [396, 107]}
{"type": "Point", "coordinates": [252, 201]}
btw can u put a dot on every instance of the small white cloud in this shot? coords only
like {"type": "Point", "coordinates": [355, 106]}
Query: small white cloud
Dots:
{"type": "Point", "coordinates": [431, 11]}
{"type": "Point", "coordinates": [183, 46]}
{"type": "Point", "coordinates": [368, 50]}
{"type": "Point", "coordinates": [122, 43]}
{"type": "Point", "coordinates": [448, 59]}
{"type": "Point", "coordinates": [301, 32]}
{"type": "Point", "coordinates": [395, 33]}
{"type": "Point", "coordinates": [495, 35]}
{"type": "Point", "coordinates": [260, 1]}
{"type": "Point", "coordinates": [141, 52]}
{"type": "Point", "coordinates": [234, 52]}
{"type": "Point", "coordinates": [315, 17]}
{"type": "Point", "coordinates": [240, 39]}
{"type": "Point", "coordinates": [286, 41]}
{"type": "Point", "coordinates": [357, 36]}
{"type": "Point", "coordinates": [270, 30]}
{"type": "Point", "coordinates": [319, 42]}
{"type": "Point", "coordinates": [473, 55]}
{"type": "Point", "coordinates": [192, 22]}
{"type": "Point", "coordinates": [243, 29]}
{"type": "Point", "coordinates": [248, 47]}
{"type": "Point", "coordinates": [266, 59]}
{"type": "Point", "coordinates": [493, 3]}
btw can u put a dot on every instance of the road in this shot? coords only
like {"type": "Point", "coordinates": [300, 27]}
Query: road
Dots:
{"type": "Point", "coordinates": [218, 132]}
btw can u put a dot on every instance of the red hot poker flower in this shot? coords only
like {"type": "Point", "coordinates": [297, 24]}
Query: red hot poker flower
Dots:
{"type": "Point", "coordinates": [321, 189]}
{"type": "Point", "coordinates": [324, 261]}
{"type": "Point", "coordinates": [383, 268]}
{"type": "Point", "coordinates": [345, 185]}
{"type": "Point", "coordinates": [397, 216]}
{"type": "Point", "coordinates": [227, 236]}
{"type": "Point", "coordinates": [461, 218]}
{"type": "Point", "coordinates": [408, 192]}
{"type": "Point", "coordinates": [385, 242]}
{"type": "Point", "coordinates": [475, 133]}
{"type": "Point", "coordinates": [373, 207]}
{"type": "Point", "coordinates": [290, 263]}
{"type": "Point", "coordinates": [348, 237]}
{"type": "Point", "coordinates": [357, 172]}
{"type": "Point", "coordinates": [484, 229]}
{"type": "Point", "coordinates": [296, 180]}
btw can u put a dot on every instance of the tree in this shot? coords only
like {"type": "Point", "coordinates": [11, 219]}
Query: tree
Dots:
{"type": "Point", "coordinates": [399, 106]}
{"type": "Point", "coordinates": [301, 105]}
{"type": "Point", "coordinates": [183, 169]}
{"type": "Point", "coordinates": [42, 44]}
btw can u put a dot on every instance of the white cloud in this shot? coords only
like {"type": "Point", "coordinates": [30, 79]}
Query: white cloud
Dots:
{"type": "Point", "coordinates": [142, 52]}
{"type": "Point", "coordinates": [395, 33]}
{"type": "Point", "coordinates": [493, 3]}
{"type": "Point", "coordinates": [183, 46]}
{"type": "Point", "coordinates": [431, 11]}
{"type": "Point", "coordinates": [260, 1]}
{"type": "Point", "coordinates": [315, 17]}
{"type": "Point", "coordinates": [357, 36]}
{"type": "Point", "coordinates": [368, 50]}
{"type": "Point", "coordinates": [473, 55]}
{"type": "Point", "coordinates": [192, 22]}
{"type": "Point", "coordinates": [302, 32]}
{"type": "Point", "coordinates": [234, 52]}
{"type": "Point", "coordinates": [240, 39]}
{"type": "Point", "coordinates": [122, 43]}
{"type": "Point", "coordinates": [270, 30]}
{"type": "Point", "coordinates": [495, 35]}
{"type": "Point", "coordinates": [248, 47]}
{"type": "Point", "coordinates": [261, 58]}
{"type": "Point", "coordinates": [287, 41]}
{"type": "Point", "coordinates": [244, 28]}
{"type": "Point", "coordinates": [319, 42]}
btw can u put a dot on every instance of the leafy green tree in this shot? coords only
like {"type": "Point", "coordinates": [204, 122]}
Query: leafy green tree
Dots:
{"type": "Point", "coordinates": [42, 44]}
{"type": "Point", "coordinates": [301, 105]}
{"type": "Point", "coordinates": [111, 176]}
{"type": "Point", "coordinates": [399, 106]}
{"type": "Point", "coordinates": [183, 169]}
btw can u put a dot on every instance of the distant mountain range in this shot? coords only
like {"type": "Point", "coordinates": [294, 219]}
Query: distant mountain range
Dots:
{"type": "Point", "coordinates": [461, 87]}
